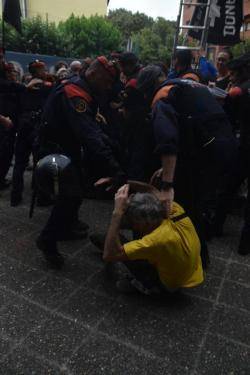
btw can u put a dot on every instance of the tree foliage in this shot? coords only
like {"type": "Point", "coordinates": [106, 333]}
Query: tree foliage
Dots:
{"type": "Point", "coordinates": [129, 23]}
{"type": "Point", "coordinates": [241, 48]}
{"type": "Point", "coordinates": [75, 37]}
{"type": "Point", "coordinates": [80, 36]}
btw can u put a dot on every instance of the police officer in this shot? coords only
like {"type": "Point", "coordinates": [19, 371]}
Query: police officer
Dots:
{"type": "Point", "coordinates": [237, 106]}
{"type": "Point", "coordinates": [32, 103]}
{"type": "Point", "coordinates": [193, 139]}
{"type": "Point", "coordinates": [183, 68]}
{"type": "Point", "coordinates": [9, 107]}
{"type": "Point", "coordinates": [70, 127]}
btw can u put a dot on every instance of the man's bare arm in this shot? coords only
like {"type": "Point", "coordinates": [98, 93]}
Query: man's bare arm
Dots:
{"type": "Point", "coordinates": [113, 249]}
{"type": "Point", "coordinates": [168, 167]}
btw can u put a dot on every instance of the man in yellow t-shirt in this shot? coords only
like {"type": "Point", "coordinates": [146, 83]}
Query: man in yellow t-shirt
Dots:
{"type": "Point", "coordinates": [167, 253]}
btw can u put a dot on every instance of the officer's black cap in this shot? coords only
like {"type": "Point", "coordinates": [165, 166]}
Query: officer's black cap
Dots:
{"type": "Point", "coordinates": [240, 62]}
{"type": "Point", "coordinates": [128, 58]}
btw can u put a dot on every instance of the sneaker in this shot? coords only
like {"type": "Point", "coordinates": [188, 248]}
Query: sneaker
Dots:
{"type": "Point", "coordinates": [52, 256]}
{"type": "Point", "coordinates": [244, 246]}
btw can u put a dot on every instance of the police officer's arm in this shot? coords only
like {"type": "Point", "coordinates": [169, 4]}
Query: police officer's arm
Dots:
{"type": "Point", "coordinates": [167, 139]}
{"type": "Point", "coordinates": [113, 249]}
{"type": "Point", "coordinates": [88, 132]}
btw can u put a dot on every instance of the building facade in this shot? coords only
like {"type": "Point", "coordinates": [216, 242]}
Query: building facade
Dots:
{"type": "Point", "coordinates": [58, 10]}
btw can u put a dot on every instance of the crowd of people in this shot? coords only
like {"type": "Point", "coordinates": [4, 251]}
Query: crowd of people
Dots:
{"type": "Point", "coordinates": [149, 136]}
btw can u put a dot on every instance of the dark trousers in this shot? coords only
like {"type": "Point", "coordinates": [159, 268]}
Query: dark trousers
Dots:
{"type": "Point", "coordinates": [198, 179]}
{"type": "Point", "coordinates": [7, 145]}
{"type": "Point", "coordinates": [65, 212]}
{"type": "Point", "coordinates": [145, 273]}
{"type": "Point", "coordinates": [62, 219]}
{"type": "Point", "coordinates": [23, 150]}
{"type": "Point", "coordinates": [239, 173]}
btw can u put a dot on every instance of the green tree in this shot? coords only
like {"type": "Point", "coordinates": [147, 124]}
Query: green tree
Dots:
{"type": "Point", "coordinates": [88, 36]}
{"type": "Point", "coordinates": [37, 36]}
{"type": "Point", "coordinates": [129, 23]}
{"type": "Point", "coordinates": [241, 48]}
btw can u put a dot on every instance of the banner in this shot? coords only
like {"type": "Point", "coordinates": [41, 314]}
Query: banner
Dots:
{"type": "Point", "coordinates": [226, 17]}
{"type": "Point", "coordinates": [12, 13]}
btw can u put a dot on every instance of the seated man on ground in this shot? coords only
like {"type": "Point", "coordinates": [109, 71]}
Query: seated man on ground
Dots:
{"type": "Point", "coordinates": [166, 255]}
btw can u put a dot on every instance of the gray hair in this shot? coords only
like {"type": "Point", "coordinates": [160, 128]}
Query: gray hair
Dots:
{"type": "Point", "coordinates": [145, 208]}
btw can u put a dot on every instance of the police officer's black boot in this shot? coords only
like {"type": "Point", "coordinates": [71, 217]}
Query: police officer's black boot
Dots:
{"type": "Point", "coordinates": [50, 252]}
{"type": "Point", "coordinates": [244, 246]}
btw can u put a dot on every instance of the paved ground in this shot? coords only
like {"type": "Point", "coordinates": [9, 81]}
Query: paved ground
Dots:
{"type": "Point", "coordinates": [74, 322]}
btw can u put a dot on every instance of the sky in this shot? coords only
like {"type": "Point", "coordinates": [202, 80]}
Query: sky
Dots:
{"type": "Point", "coordinates": [154, 8]}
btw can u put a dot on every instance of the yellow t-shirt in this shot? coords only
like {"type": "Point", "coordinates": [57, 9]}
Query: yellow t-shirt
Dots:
{"type": "Point", "coordinates": [173, 249]}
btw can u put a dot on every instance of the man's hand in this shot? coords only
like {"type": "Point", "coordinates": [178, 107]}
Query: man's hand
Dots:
{"type": "Point", "coordinates": [105, 181]}
{"type": "Point", "coordinates": [121, 200]}
{"type": "Point", "coordinates": [167, 197]}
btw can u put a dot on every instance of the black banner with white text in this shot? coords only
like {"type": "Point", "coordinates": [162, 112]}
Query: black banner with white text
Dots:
{"type": "Point", "coordinates": [226, 18]}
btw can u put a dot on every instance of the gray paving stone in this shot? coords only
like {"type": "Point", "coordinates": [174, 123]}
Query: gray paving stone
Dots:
{"type": "Point", "coordinates": [5, 298]}
{"type": "Point", "coordinates": [100, 355]}
{"type": "Point", "coordinates": [183, 309]}
{"type": "Point", "coordinates": [167, 339]}
{"type": "Point", "coordinates": [221, 248]}
{"type": "Point", "coordinates": [17, 276]}
{"type": "Point", "coordinates": [56, 339]}
{"type": "Point", "coordinates": [71, 248]}
{"type": "Point", "coordinates": [5, 346]}
{"type": "Point", "coordinates": [24, 250]}
{"type": "Point", "coordinates": [209, 289]}
{"type": "Point", "coordinates": [51, 291]}
{"type": "Point", "coordinates": [222, 357]}
{"type": "Point", "coordinates": [217, 267]}
{"type": "Point", "coordinates": [6, 222]}
{"type": "Point", "coordinates": [100, 283]}
{"type": "Point", "coordinates": [239, 273]}
{"type": "Point", "coordinates": [19, 317]}
{"type": "Point", "coordinates": [232, 324]}
{"type": "Point", "coordinates": [87, 307]}
{"type": "Point", "coordinates": [77, 270]}
{"type": "Point", "coordinates": [245, 260]}
{"type": "Point", "coordinates": [22, 363]}
{"type": "Point", "coordinates": [18, 228]}
{"type": "Point", "coordinates": [90, 254]}
{"type": "Point", "coordinates": [235, 295]}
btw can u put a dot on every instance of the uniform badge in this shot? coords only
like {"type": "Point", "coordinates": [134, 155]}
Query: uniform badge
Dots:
{"type": "Point", "coordinates": [81, 106]}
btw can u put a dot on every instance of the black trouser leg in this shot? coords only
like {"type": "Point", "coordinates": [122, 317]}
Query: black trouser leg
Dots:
{"type": "Point", "coordinates": [22, 154]}
{"type": "Point", "coordinates": [7, 152]}
{"type": "Point", "coordinates": [237, 176]}
{"type": "Point", "coordinates": [63, 215]}
{"type": "Point", "coordinates": [144, 272]}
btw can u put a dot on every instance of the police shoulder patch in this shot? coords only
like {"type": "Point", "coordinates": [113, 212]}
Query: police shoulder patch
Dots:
{"type": "Point", "coordinates": [80, 106]}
